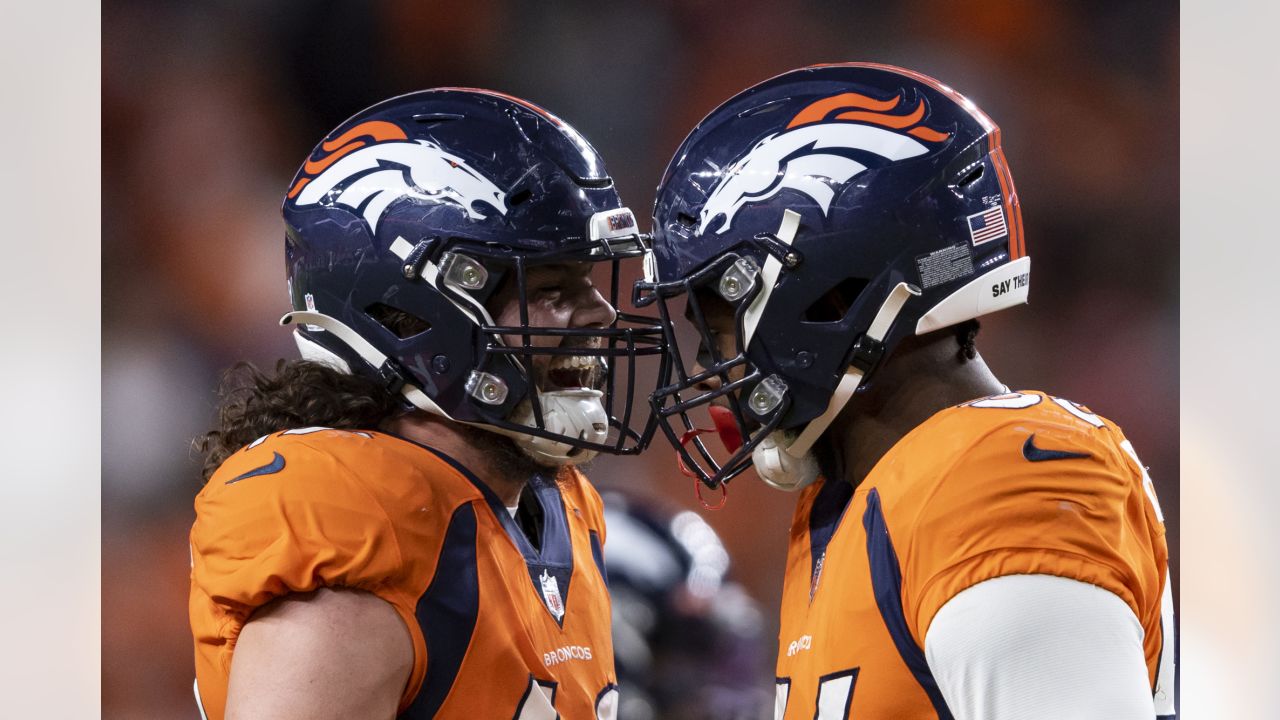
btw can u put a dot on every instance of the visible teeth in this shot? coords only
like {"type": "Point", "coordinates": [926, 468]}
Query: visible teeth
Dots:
{"type": "Point", "coordinates": [577, 362]}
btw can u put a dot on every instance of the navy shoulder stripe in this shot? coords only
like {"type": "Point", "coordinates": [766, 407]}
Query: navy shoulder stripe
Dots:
{"type": "Point", "coordinates": [447, 613]}
{"type": "Point", "coordinates": [886, 581]}
{"type": "Point", "coordinates": [597, 554]}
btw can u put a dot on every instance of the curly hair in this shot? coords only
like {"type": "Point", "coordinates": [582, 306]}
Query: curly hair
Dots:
{"type": "Point", "coordinates": [966, 335]}
{"type": "Point", "coordinates": [300, 394]}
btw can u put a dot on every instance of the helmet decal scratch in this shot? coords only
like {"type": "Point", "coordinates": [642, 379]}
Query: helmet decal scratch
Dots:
{"type": "Point", "coordinates": [400, 231]}
{"type": "Point", "coordinates": [858, 189]}
{"type": "Point", "coordinates": [812, 154]}
{"type": "Point", "coordinates": [366, 179]}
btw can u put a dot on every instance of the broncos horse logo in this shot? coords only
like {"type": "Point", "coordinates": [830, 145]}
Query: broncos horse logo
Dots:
{"type": "Point", "coordinates": [367, 178]}
{"type": "Point", "coordinates": [812, 154]}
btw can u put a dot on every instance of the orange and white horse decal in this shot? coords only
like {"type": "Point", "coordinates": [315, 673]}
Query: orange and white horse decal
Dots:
{"type": "Point", "coordinates": [367, 178]}
{"type": "Point", "coordinates": [812, 154]}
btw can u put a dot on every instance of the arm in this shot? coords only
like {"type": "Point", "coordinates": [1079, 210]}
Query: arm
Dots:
{"type": "Point", "coordinates": [326, 654]}
{"type": "Point", "coordinates": [1039, 646]}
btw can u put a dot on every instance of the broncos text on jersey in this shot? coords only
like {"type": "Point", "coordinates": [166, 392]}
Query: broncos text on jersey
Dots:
{"type": "Point", "coordinates": [500, 628]}
{"type": "Point", "coordinates": [1011, 484]}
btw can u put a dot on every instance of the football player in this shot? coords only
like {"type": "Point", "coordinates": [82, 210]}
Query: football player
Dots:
{"type": "Point", "coordinates": [394, 526]}
{"type": "Point", "coordinates": [957, 550]}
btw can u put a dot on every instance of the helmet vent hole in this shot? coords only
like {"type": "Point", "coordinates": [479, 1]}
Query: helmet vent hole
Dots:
{"type": "Point", "coordinates": [765, 108]}
{"type": "Point", "coordinates": [596, 183]}
{"type": "Point", "coordinates": [519, 197]}
{"type": "Point", "coordinates": [434, 118]}
{"type": "Point", "coordinates": [686, 219]}
{"type": "Point", "coordinates": [836, 303]}
{"type": "Point", "coordinates": [971, 177]}
{"type": "Point", "coordinates": [402, 324]}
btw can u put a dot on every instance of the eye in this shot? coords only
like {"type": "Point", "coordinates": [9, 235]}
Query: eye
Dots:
{"type": "Point", "coordinates": [549, 290]}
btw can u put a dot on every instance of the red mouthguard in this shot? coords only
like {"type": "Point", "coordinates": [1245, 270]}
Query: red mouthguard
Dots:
{"type": "Point", "coordinates": [697, 481]}
{"type": "Point", "coordinates": [727, 427]}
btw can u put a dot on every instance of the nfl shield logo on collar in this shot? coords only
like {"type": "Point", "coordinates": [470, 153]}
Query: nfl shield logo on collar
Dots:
{"type": "Point", "coordinates": [551, 594]}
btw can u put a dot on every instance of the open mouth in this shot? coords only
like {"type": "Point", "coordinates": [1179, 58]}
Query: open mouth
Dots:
{"type": "Point", "coordinates": [576, 371]}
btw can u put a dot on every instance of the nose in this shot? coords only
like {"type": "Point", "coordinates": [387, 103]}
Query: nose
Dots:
{"type": "Point", "coordinates": [593, 311]}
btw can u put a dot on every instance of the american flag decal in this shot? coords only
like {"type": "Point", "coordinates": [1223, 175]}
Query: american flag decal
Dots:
{"type": "Point", "coordinates": [987, 225]}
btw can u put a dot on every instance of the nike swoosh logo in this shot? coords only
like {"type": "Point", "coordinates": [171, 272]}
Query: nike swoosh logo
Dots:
{"type": "Point", "coordinates": [275, 466]}
{"type": "Point", "coordinates": [1035, 454]}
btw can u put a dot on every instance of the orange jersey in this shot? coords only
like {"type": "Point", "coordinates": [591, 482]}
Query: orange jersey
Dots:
{"type": "Point", "coordinates": [1017, 483]}
{"type": "Point", "coordinates": [499, 628]}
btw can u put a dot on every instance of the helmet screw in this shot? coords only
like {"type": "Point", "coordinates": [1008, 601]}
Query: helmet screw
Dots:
{"type": "Point", "coordinates": [804, 359]}
{"type": "Point", "coordinates": [440, 364]}
{"type": "Point", "coordinates": [463, 272]}
{"type": "Point", "coordinates": [738, 279]}
{"type": "Point", "coordinates": [408, 271]}
{"type": "Point", "coordinates": [767, 396]}
{"type": "Point", "coordinates": [488, 389]}
{"type": "Point", "coordinates": [791, 259]}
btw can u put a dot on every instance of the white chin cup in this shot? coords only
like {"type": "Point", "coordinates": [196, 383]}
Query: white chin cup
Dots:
{"type": "Point", "coordinates": [576, 413]}
{"type": "Point", "coordinates": [780, 469]}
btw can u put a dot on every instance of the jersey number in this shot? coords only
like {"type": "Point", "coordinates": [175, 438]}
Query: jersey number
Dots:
{"type": "Point", "coordinates": [835, 696]}
{"type": "Point", "coordinates": [539, 702]}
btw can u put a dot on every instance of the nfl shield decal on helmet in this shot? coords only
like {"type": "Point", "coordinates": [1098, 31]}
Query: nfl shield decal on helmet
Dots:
{"type": "Point", "coordinates": [551, 594]}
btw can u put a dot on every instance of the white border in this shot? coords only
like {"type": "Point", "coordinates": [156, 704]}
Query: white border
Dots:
{"type": "Point", "coordinates": [50, 432]}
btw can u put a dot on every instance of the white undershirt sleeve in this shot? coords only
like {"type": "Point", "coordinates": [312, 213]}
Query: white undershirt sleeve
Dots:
{"type": "Point", "coordinates": [1039, 646]}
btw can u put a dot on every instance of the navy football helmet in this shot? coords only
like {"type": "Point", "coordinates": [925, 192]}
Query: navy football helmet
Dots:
{"type": "Point", "coordinates": [837, 209]}
{"type": "Point", "coordinates": [412, 214]}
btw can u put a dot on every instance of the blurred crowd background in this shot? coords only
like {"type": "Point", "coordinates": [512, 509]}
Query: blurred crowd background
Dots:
{"type": "Point", "coordinates": [208, 109]}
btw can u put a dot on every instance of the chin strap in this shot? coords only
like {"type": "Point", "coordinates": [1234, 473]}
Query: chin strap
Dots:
{"type": "Point", "coordinates": [386, 367]}
{"type": "Point", "coordinates": [577, 413]}
{"type": "Point", "coordinates": [786, 235]}
{"type": "Point", "coordinates": [783, 459]}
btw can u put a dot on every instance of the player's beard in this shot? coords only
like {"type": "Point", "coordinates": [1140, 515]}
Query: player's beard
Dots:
{"type": "Point", "coordinates": [507, 459]}
{"type": "Point", "coordinates": [510, 461]}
